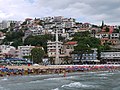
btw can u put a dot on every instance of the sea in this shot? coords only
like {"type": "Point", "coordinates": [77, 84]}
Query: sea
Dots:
{"type": "Point", "coordinates": [72, 81]}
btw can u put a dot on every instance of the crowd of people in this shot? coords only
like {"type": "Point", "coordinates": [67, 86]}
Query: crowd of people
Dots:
{"type": "Point", "coordinates": [6, 71]}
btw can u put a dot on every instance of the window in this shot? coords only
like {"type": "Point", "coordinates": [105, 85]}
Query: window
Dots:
{"type": "Point", "coordinates": [94, 58]}
{"type": "Point", "coordinates": [75, 58]}
{"type": "Point", "coordinates": [90, 54]}
{"type": "Point", "coordinates": [90, 58]}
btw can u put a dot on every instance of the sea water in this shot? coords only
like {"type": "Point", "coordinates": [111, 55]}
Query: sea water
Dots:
{"type": "Point", "coordinates": [73, 81]}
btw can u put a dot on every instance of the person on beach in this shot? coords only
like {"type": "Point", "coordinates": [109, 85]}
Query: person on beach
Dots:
{"type": "Point", "coordinates": [64, 74]}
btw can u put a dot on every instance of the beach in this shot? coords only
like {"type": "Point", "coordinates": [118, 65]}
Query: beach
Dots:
{"type": "Point", "coordinates": [54, 69]}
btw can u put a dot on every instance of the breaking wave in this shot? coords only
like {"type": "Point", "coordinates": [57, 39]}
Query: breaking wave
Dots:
{"type": "Point", "coordinates": [77, 85]}
{"type": "Point", "coordinates": [55, 89]}
{"type": "Point", "coordinates": [4, 79]}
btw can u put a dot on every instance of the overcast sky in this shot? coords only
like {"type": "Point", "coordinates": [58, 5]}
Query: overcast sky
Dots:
{"type": "Point", "coordinates": [93, 11]}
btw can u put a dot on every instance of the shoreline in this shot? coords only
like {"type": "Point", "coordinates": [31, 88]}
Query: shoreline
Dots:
{"type": "Point", "coordinates": [55, 69]}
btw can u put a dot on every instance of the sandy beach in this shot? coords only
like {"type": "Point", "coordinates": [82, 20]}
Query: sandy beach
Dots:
{"type": "Point", "coordinates": [25, 67]}
{"type": "Point", "coordinates": [54, 69]}
{"type": "Point", "coordinates": [55, 66]}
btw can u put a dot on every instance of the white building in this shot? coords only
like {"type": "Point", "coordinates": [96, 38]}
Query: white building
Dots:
{"type": "Point", "coordinates": [51, 48]}
{"type": "Point", "coordinates": [8, 51]}
{"type": "Point", "coordinates": [36, 30]}
{"type": "Point", "coordinates": [115, 36]}
{"type": "Point", "coordinates": [111, 57]}
{"type": "Point", "coordinates": [24, 51]}
{"type": "Point", "coordinates": [68, 22]}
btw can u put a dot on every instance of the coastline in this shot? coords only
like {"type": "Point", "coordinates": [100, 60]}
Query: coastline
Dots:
{"type": "Point", "coordinates": [61, 70]}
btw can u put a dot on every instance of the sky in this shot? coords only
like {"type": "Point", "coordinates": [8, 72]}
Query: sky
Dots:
{"type": "Point", "coordinates": [92, 11]}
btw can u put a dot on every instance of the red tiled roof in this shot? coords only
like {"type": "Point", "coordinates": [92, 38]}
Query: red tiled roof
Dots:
{"type": "Point", "coordinates": [104, 39]}
{"type": "Point", "coordinates": [71, 43]}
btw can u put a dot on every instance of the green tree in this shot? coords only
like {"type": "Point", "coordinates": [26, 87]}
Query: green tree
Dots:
{"type": "Point", "coordinates": [37, 54]}
{"type": "Point", "coordinates": [4, 30]}
{"type": "Point", "coordinates": [107, 29]}
{"type": "Point", "coordinates": [15, 37]}
{"type": "Point", "coordinates": [38, 40]}
{"type": "Point", "coordinates": [67, 60]}
{"type": "Point", "coordinates": [81, 49]}
{"type": "Point", "coordinates": [85, 43]}
{"type": "Point", "coordinates": [17, 42]}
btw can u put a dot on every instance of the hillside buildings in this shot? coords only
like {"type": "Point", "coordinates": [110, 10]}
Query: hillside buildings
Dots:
{"type": "Point", "coordinates": [66, 28]}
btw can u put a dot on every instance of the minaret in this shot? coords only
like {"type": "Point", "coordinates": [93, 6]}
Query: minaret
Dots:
{"type": "Point", "coordinates": [102, 24]}
{"type": "Point", "coordinates": [57, 49]}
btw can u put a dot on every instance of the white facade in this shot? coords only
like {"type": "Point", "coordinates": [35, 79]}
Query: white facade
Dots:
{"type": "Point", "coordinates": [51, 48]}
{"type": "Point", "coordinates": [25, 50]}
{"type": "Point", "coordinates": [107, 35]}
{"type": "Point", "coordinates": [110, 55]}
{"type": "Point", "coordinates": [102, 35]}
{"type": "Point", "coordinates": [114, 36]}
{"type": "Point", "coordinates": [6, 24]}
{"type": "Point", "coordinates": [8, 50]}
{"type": "Point", "coordinates": [36, 30]}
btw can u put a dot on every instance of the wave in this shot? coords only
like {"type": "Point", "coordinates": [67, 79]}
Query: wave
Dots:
{"type": "Point", "coordinates": [4, 79]}
{"type": "Point", "coordinates": [36, 81]}
{"type": "Point", "coordinates": [55, 89]}
{"type": "Point", "coordinates": [103, 77]}
{"type": "Point", "coordinates": [104, 74]}
{"type": "Point", "coordinates": [77, 85]}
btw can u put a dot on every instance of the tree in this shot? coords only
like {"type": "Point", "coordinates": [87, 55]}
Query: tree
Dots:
{"type": "Point", "coordinates": [15, 37]}
{"type": "Point", "coordinates": [81, 49]}
{"type": "Point", "coordinates": [85, 44]}
{"type": "Point", "coordinates": [67, 60]}
{"type": "Point", "coordinates": [17, 42]}
{"type": "Point", "coordinates": [37, 54]}
{"type": "Point", "coordinates": [4, 30]}
{"type": "Point", "coordinates": [38, 40]}
{"type": "Point", "coordinates": [107, 29]}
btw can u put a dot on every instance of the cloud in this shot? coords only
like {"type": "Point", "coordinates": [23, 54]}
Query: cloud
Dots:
{"type": "Point", "coordinates": [93, 11]}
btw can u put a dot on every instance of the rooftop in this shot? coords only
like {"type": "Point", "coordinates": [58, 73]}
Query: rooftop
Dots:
{"type": "Point", "coordinates": [71, 43]}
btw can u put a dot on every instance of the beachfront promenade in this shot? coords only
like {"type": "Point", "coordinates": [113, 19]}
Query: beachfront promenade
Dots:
{"type": "Point", "coordinates": [54, 69]}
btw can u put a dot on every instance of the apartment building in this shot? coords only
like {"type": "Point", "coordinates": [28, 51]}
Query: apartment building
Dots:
{"type": "Point", "coordinates": [25, 50]}
{"type": "Point", "coordinates": [51, 48]}
{"type": "Point", "coordinates": [110, 57]}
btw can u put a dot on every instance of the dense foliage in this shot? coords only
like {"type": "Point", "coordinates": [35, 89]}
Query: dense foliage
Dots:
{"type": "Point", "coordinates": [37, 55]}
{"type": "Point", "coordinates": [14, 37]}
{"type": "Point", "coordinates": [86, 43]}
{"type": "Point", "coordinates": [38, 41]}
